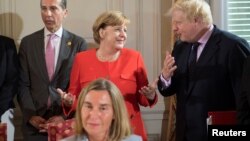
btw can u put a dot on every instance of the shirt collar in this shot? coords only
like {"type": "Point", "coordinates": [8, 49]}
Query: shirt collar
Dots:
{"type": "Point", "coordinates": [206, 36]}
{"type": "Point", "coordinates": [58, 32]}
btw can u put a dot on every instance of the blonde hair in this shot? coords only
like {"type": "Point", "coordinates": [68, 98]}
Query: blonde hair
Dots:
{"type": "Point", "coordinates": [194, 9]}
{"type": "Point", "coordinates": [108, 18]}
{"type": "Point", "coordinates": [120, 126]}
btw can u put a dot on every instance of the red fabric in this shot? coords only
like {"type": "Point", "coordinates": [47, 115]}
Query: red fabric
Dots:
{"type": "Point", "coordinates": [128, 73]}
{"type": "Point", "coordinates": [223, 117]}
{"type": "Point", "coordinates": [3, 132]}
{"type": "Point", "coordinates": [61, 130]}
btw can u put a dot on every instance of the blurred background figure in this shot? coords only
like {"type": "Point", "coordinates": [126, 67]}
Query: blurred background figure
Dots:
{"type": "Point", "coordinates": [9, 75]}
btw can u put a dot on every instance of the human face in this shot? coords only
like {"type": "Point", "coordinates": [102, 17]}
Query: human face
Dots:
{"type": "Point", "coordinates": [97, 113]}
{"type": "Point", "coordinates": [183, 28]}
{"type": "Point", "coordinates": [114, 36]}
{"type": "Point", "coordinates": [52, 14]}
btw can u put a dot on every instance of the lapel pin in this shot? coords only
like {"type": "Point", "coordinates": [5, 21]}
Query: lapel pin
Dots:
{"type": "Point", "coordinates": [69, 43]}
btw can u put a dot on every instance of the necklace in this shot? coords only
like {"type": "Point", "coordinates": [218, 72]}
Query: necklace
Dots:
{"type": "Point", "coordinates": [104, 58]}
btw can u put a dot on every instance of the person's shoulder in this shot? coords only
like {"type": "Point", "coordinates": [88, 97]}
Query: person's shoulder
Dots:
{"type": "Point", "coordinates": [5, 38]}
{"type": "Point", "coordinates": [130, 52]}
{"type": "Point", "coordinates": [133, 137]}
{"type": "Point", "coordinates": [228, 36]}
{"type": "Point", "coordinates": [75, 138]}
{"type": "Point", "coordinates": [88, 53]}
{"type": "Point", "coordinates": [230, 41]}
{"type": "Point", "coordinates": [7, 43]}
{"type": "Point", "coordinates": [70, 138]}
{"type": "Point", "coordinates": [34, 35]}
{"type": "Point", "coordinates": [73, 35]}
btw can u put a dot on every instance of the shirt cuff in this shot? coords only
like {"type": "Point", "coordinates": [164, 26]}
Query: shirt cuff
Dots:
{"type": "Point", "coordinates": [165, 82]}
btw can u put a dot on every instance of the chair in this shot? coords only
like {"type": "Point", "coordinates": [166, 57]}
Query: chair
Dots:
{"type": "Point", "coordinates": [61, 130]}
{"type": "Point", "coordinates": [3, 132]}
{"type": "Point", "coordinates": [222, 118]}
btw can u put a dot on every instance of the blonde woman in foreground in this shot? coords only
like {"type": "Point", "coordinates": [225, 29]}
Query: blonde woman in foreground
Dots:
{"type": "Point", "coordinates": [101, 114]}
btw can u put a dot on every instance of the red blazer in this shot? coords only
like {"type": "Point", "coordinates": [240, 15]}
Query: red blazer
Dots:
{"type": "Point", "coordinates": [127, 72]}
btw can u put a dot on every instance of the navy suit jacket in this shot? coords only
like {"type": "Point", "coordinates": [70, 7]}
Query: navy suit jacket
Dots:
{"type": "Point", "coordinates": [244, 105]}
{"type": "Point", "coordinates": [8, 73]}
{"type": "Point", "coordinates": [214, 87]}
{"type": "Point", "coordinates": [34, 85]}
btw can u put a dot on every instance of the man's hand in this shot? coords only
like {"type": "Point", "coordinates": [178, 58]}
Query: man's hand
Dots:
{"type": "Point", "coordinates": [37, 121]}
{"type": "Point", "coordinates": [53, 120]}
{"type": "Point", "coordinates": [67, 98]}
{"type": "Point", "coordinates": [149, 91]}
{"type": "Point", "coordinates": [168, 66]}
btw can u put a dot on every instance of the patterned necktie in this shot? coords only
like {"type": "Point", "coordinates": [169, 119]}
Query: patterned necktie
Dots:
{"type": "Point", "coordinates": [50, 56]}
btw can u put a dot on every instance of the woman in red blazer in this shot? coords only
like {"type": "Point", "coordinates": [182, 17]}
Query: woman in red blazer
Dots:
{"type": "Point", "coordinates": [123, 66]}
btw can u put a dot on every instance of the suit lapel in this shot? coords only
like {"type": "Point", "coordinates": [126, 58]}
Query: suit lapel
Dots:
{"type": "Point", "coordinates": [209, 51]}
{"type": "Point", "coordinates": [40, 53]}
{"type": "Point", "coordinates": [210, 48]}
{"type": "Point", "coordinates": [65, 47]}
{"type": "Point", "coordinates": [182, 50]}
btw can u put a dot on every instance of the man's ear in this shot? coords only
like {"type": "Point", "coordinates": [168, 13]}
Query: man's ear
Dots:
{"type": "Point", "coordinates": [197, 19]}
{"type": "Point", "coordinates": [65, 13]}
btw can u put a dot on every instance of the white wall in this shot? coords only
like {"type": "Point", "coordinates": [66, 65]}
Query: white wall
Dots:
{"type": "Point", "coordinates": [218, 8]}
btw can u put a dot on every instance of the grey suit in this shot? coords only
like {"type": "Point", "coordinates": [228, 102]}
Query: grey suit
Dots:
{"type": "Point", "coordinates": [35, 86]}
{"type": "Point", "coordinates": [84, 138]}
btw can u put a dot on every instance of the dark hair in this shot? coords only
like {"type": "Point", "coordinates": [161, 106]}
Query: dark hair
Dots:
{"type": "Point", "coordinates": [63, 3]}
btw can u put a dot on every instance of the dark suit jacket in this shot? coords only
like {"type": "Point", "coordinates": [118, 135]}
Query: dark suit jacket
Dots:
{"type": "Point", "coordinates": [34, 85]}
{"type": "Point", "coordinates": [8, 73]}
{"type": "Point", "coordinates": [244, 103]}
{"type": "Point", "coordinates": [213, 87]}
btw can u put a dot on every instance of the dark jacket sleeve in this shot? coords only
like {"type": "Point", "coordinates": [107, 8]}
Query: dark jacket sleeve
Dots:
{"type": "Point", "coordinates": [8, 73]}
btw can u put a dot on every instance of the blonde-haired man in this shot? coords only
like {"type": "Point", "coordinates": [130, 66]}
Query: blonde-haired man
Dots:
{"type": "Point", "coordinates": [204, 69]}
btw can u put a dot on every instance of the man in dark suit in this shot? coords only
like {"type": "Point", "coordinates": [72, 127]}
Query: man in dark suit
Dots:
{"type": "Point", "coordinates": [210, 82]}
{"type": "Point", "coordinates": [38, 98]}
{"type": "Point", "coordinates": [244, 102]}
{"type": "Point", "coordinates": [8, 82]}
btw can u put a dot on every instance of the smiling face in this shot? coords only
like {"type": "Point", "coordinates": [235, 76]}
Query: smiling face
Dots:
{"type": "Point", "coordinates": [97, 113]}
{"type": "Point", "coordinates": [114, 36]}
{"type": "Point", "coordinates": [52, 14]}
